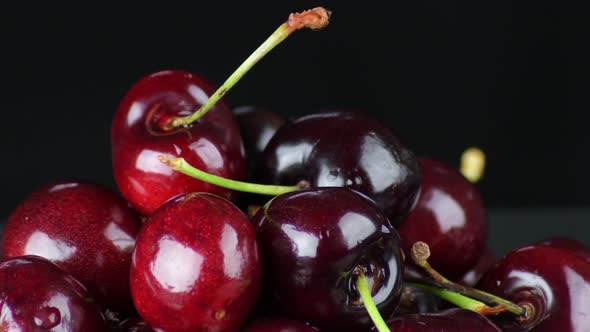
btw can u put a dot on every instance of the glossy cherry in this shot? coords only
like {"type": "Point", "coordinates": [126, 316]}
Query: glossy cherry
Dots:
{"type": "Point", "coordinates": [312, 242]}
{"type": "Point", "coordinates": [569, 245]}
{"type": "Point", "coordinates": [452, 320]}
{"type": "Point", "coordinates": [139, 136]}
{"type": "Point", "coordinates": [344, 149]}
{"type": "Point", "coordinates": [554, 282]}
{"type": "Point", "coordinates": [257, 127]}
{"type": "Point", "coordinates": [483, 265]}
{"type": "Point", "coordinates": [37, 295]}
{"type": "Point", "coordinates": [196, 265]}
{"type": "Point", "coordinates": [278, 325]}
{"type": "Point", "coordinates": [86, 229]}
{"type": "Point", "coordinates": [450, 217]}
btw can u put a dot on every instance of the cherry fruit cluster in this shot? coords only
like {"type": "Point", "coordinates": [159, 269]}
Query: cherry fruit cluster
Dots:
{"type": "Point", "coordinates": [350, 232]}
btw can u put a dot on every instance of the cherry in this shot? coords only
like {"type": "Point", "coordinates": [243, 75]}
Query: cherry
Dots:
{"type": "Point", "coordinates": [553, 283]}
{"type": "Point", "coordinates": [452, 320]}
{"type": "Point", "coordinates": [138, 137]}
{"type": "Point", "coordinates": [278, 325]}
{"type": "Point", "coordinates": [483, 265]}
{"type": "Point", "coordinates": [86, 229]}
{"type": "Point", "coordinates": [196, 265]}
{"type": "Point", "coordinates": [257, 126]}
{"type": "Point", "coordinates": [36, 295]}
{"type": "Point", "coordinates": [450, 217]}
{"type": "Point", "coordinates": [344, 149]}
{"type": "Point", "coordinates": [569, 245]}
{"type": "Point", "coordinates": [314, 242]}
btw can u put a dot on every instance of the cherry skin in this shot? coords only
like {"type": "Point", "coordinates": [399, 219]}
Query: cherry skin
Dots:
{"type": "Point", "coordinates": [452, 320]}
{"type": "Point", "coordinates": [257, 126]}
{"type": "Point", "coordinates": [84, 228]}
{"type": "Point", "coordinates": [278, 325]}
{"type": "Point", "coordinates": [312, 242]}
{"type": "Point", "coordinates": [196, 266]}
{"type": "Point", "coordinates": [36, 295]}
{"type": "Point", "coordinates": [450, 217]}
{"type": "Point", "coordinates": [568, 244]}
{"type": "Point", "coordinates": [555, 282]}
{"type": "Point", "coordinates": [344, 149]}
{"type": "Point", "coordinates": [212, 144]}
{"type": "Point", "coordinates": [483, 265]}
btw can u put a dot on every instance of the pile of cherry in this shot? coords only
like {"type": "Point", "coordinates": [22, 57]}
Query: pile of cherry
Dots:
{"type": "Point", "coordinates": [350, 232]}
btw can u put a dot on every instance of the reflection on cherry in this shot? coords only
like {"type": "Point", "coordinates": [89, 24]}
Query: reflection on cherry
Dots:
{"type": "Point", "coordinates": [86, 229]}
{"type": "Point", "coordinates": [196, 260]}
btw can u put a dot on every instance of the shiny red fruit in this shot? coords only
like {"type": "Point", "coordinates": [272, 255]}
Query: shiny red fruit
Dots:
{"type": "Point", "coordinates": [483, 265]}
{"type": "Point", "coordinates": [453, 320]}
{"type": "Point", "coordinates": [212, 144]}
{"type": "Point", "coordinates": [312, 241]}
{"type": "Point", "coordinates": [196, 266]}
{"type": "Point", "coordinates": [555, 282]}
{"type": "Point", "coordinates": [278, 325]}
{"type": "Point", "coordinates": [569, 245]}
{"type": "Point", "coordinates": [36, 295]}
{"type": "Point", "coordinates": [86, 229]}
{"type": "Point", "coordinates": [450, 217]}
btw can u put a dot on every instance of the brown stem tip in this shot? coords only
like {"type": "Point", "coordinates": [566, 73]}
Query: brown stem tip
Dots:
{"type": "Point", "coordinates": [420, 252]}
{"type": "Point", "coordinates": [315, 19]}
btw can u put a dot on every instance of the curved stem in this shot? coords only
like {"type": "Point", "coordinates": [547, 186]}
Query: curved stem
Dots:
{"type": "Point", "coordinates": [315, 19]}
{"type": "Point", "coordinates": [363, 288]}
{"type": "Point", "coordinates": [179, 164]}
{"type": "Point", "coordinates": [421, 252]}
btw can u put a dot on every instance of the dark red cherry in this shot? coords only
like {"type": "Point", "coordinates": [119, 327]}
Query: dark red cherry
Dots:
{"type": "Point", "coordinates": [135, 324]}
{"type": "Point", "coordinates": [555, 282]}
{"type": "Point", "coordinates": [257, 127]}
{"type": "Point", "coordinates": [278, 325]}
{"type": "Point", "coordinates": [450, 217]}
{"type": "Point", "coordinates": [36, 295]}
{"type": "Point", "coordinates": [569, 245]}
{"type": "Point", "coordinates": [483, 265]}
{"type": "Point", "coordinates": [344, 149]}
{"type": "Point", "coordinates": [196, 266]}
{"type": "Point", "coordinates": [212, 144]}
{"type": "Point", "coordinates": [86, 229]}
{"type": "Point", "coordinates": [312, 241]}
{"type": "Point", "coordinates": [452, 320]}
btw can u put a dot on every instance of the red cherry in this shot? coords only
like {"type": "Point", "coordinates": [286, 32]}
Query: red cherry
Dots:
{"type": "Point", "coordinates": [36, 295]}
{"type": "Point", "coordinates": [138, 137]}
{"type": "Point", "coordinates": [86, 229]}
{"type": "Point", "coordinates": [450, 217]}
{"type": "Point", "coordinates": [196, 266]}
{"type": "Point", "coordinates": [569, 245]}
{"type": "Point", "coordinates": [554, 282]}
{"type": "Point", "coordinates": [483, 265]}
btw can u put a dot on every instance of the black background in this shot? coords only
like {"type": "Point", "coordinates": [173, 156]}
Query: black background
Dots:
{"type": "Point", "coordinates": [508, 76]}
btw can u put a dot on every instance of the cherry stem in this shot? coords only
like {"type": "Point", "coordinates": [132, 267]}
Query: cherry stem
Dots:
{"type": "Point", "coordinates": [180, 165]}
{"type": "Point", "coordinates": [473, 163]}
{"type": "Point", "coordinates": [315, 19]}
{"type": "Point", "coordinates": [362, 286]}
{"type": "Point", "coordinates": [459, 300]}
{"type": "Point", "coordinates": [421, 252]}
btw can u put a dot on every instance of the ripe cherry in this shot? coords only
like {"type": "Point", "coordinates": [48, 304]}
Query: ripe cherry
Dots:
{"type": "Point", "coordinates": [344, 149]}
{"type": "Point", "coordinates": [450, 217]}
{"type": "Point", "coordinates": [313, 241]}
{"type": "Point", "coordinates": [138, 137]}
{"type": "Point", "coordinates": [86, 229]}
{"type": "Point", "coordinates": [196, 265]}
{"type": "Point", "coordinates": [553, 283]}
{"type": "Point", "coordinates": [36, 295]}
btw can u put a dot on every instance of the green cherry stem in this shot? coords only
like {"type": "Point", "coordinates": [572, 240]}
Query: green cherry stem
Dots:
{"type": "Point", "coordinates": [421, 252]}
{"type": "Point", "coordinates": [315, 19]}
{"type": "Point", "coordinates": [180, 165]}
{"type": "Point", "coordinates": [362, 286]}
